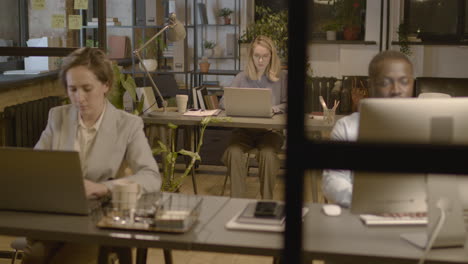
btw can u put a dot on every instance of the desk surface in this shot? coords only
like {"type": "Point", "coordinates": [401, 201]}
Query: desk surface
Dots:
{"type": "Point", "coordinates": [330, 238]}
{"type": "Point", "coordinates": [276, 122]}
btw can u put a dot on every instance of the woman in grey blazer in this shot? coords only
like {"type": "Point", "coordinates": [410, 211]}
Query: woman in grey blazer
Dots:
{"type": "Point", "coordinates": [106, 138]}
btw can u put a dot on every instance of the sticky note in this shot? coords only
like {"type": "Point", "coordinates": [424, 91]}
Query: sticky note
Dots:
{"type": "Point", "coordinates": [81, 4]}
{"type": "Point", "coordinates": [74, 22]}
{"type": "Point", "coordinates": [38, 4]}
{"type": "Point", "coordinates": [58, 21]}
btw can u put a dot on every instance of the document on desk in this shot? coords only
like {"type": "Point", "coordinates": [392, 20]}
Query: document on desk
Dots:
{"type": "Point", "coordinates": [214, 112]}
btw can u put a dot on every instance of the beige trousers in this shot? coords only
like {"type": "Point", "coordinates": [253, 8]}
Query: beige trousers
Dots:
{"type": "Point", "coordinates": [42, 252]}
{"type": "Point", "coordinates": [268, 143]}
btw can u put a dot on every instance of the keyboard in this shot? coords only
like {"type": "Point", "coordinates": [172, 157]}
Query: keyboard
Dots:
{"type": "Point", "coordinates": [378, 220]}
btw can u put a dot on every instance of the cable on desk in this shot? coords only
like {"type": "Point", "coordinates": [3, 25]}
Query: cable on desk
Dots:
{"type": "Point", "coordinates": [434, 234]}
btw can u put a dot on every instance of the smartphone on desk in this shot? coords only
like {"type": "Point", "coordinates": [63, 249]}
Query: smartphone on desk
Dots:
{"type": "Point", "coordinates": [266, 209]}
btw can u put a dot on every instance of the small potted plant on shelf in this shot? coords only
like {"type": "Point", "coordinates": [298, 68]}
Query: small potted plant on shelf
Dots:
{"type": "Point", "coordinates": [226, 14]}
{"type": "Point", "coordinates": [209, 48]}
{"type": "Point", "coordinates": [349, 13]}
{"type": "Point", "coordinates": [330, 28]}
{"type": "Point", "coordinates": [204, 64]}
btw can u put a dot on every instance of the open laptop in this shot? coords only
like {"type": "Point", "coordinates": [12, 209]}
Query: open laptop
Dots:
{"type": "Point", "coordinates": [248, 102]}
{"type": "Point", "coordinates": [42, 181]}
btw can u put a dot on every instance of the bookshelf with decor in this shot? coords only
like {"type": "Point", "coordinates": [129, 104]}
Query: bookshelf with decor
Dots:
{"type": "Point", "coordinates": [129, 24]}
{"type": "Point", "coordinates": [216, 31]}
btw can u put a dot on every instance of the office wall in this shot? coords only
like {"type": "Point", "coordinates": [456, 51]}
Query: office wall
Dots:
{"type": "Point", "coordinates": [9, 20]}
{"type": "Point", "coordinates": [40, 20]}
{"type": "Point", "coordinates": [338, 60]}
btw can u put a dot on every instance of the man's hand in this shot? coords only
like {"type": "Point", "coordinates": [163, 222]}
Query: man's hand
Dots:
{"type": "Point", "coordinates": [95, 190]}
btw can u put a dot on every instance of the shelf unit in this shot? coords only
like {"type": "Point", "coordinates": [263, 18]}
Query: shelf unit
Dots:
{"type": "Point", "coordinates": [137, 35]}
{"type": "Point", "coordinates": [203, 32]}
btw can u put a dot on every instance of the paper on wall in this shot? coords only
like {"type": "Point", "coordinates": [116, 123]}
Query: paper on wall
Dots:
{"type": "Point", "coordinates": [81, 4]}
{"type": "Point", "coordinates": [38, 63]}
{"type": "Point", "coordinates": [38, 4]}
{"type": "Point", "coordinates": [74, 21]}
{"type": "Point", "coordinates": [58, 21]}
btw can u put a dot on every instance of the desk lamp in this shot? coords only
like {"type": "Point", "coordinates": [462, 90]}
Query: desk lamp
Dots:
{"type": "Point", "coordinates": [176, 32]}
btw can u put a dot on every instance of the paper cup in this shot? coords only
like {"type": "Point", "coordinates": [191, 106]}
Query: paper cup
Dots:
{"type": "Point", "coordinates": [125, 194]}
{"type": "Point", "coordinates": [181, 100]}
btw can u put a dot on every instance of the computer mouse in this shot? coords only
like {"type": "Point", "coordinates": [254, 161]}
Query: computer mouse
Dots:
{"type": "Point", "coordinates": [331, 209]}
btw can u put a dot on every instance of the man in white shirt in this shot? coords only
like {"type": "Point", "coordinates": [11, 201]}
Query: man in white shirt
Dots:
{"type": "Point", "coordinates": [390, 75]}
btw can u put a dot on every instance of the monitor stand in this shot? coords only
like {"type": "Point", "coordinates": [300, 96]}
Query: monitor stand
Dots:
{"type": "Point", "coordinates": [442, 192]}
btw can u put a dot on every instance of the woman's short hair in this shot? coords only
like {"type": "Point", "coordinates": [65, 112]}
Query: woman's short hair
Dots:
{"type": "Point", "coordinates": [273, 69]}
{"type": "Point", "coordinates": [93, 59]}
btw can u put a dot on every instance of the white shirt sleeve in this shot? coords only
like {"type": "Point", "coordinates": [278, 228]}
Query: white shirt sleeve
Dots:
{"type": "Point", "coordinates": [337, 185]}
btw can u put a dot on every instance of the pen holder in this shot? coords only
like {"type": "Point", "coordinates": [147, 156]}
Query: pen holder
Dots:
{"type": "Point", "coordinates": [329, 116]}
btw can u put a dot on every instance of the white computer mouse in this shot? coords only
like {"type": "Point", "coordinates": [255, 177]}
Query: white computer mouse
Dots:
{"type": "Point", "coordinates": [331, 209]}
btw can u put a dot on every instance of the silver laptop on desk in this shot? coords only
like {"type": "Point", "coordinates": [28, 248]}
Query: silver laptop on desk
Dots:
{"type": "Point", "coordinates": [41, 181]}
{"type": "Point", "coordinates": [248, 102]}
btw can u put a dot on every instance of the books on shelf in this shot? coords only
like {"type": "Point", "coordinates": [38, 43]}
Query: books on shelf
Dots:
{"type": "Point", "coordinates": [108, 23]}
{"type": "Point", "coordinates": [201, 92]}
{"type": "Point", "coordinates": [202, 13]}
{"type": "Point", "coordinates": [118, 47]}
{"type": "Point", "coordinates": [211, 101]}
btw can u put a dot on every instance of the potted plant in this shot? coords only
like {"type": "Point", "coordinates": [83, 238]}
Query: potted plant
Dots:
{"type": "Point", "coordinates": [153, 52]}
{"type": "Point", "coordinates": [349, 14]}
{"type": "Point", "coordinates": [124, 85]}
{"type": "Point", "coordinates": [172, 182]}
{"type": "Point", "coordinates": [331, 27]}
{"type": "Point", "coordinates": [226, 14]}
{"type": "Point", "coordinates": [271, 24]}
{"type": "Point", "coordinates": [404, 40]}
{"type": "Point", "coordinates": [209, 48]}
{"type": "Point", "coordinates": [204, 65]}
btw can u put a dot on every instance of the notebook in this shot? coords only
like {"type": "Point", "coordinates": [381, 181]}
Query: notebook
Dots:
{"type": "Point", "coordinates": [248, 102]}
{"type": "Point", "coordinates": [42, 181]}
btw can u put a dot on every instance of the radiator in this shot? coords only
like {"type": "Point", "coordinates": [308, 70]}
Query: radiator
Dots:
{"type": "Point", "coordinates": [25, 122]}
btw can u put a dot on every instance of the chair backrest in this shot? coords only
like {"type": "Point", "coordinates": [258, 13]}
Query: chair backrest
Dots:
{"type": "Point", "coordinates": [353, 89]}
{"type": "Point", "coordinates": [318, 86]}
{"type": "Point", "coordinates": [455, 87]}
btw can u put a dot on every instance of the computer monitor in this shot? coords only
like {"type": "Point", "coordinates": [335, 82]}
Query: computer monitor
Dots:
{"type": "Point", "coordinates": [412, 120]}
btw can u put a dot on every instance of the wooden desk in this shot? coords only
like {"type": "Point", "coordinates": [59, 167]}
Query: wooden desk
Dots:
{"type": "Point", "coordinates": [340, 239]}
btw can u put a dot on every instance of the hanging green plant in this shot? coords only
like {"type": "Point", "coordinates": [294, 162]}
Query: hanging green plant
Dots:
{"type": "Point", "coordinates": [403, 32]}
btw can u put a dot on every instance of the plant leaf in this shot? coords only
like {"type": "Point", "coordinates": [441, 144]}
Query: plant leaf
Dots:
{"type": "Point", "coordinates": [191, 154]}
{"type": "Point", "coordinates": [130, 86]}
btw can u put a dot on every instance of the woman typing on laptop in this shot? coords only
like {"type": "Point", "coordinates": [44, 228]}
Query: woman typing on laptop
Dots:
{"type": "Point", "coordinates": [106, 138]}
{"type": "Point", "coordinates": [262, 71]}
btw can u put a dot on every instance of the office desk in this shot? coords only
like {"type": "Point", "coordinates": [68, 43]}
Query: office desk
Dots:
{"type": "Point", "coordinates": [340, 239]}
{"type": "Point", "coordinates": [346, 239]}
{"type": "Point", "coordinates": [315, 129]}
{"type": "Point", "coordinates": [277, 122]}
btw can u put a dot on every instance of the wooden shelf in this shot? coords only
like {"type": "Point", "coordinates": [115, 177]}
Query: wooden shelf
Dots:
{"type": "Point", "coordinates": [344, 42]}
{"type": "Point", "coordinates": [435, 43]}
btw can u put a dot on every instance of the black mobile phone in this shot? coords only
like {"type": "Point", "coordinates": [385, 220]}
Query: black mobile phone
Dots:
{"type": "Point", "coordinates": [266, 209]}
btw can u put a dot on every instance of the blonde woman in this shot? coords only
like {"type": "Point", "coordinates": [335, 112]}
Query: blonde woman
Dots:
{"type": "Point", "coordinates": [262, 71]}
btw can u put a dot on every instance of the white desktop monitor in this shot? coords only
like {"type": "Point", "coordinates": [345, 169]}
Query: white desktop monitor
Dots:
{"type": "Point", "coordinates": [410, 120]}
